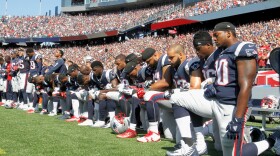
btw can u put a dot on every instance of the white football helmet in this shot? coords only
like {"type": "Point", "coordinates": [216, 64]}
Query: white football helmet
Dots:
{"type": "Point", "coordinates": [119, 123]}
{"type": "Point", "coordinates": [270, 102]}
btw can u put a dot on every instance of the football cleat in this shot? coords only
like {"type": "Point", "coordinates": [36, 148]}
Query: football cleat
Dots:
{"type": "Point", "coordinates": [149, 137]}
{"type": "Point", "coordinates": [52, 113]}
{"type": "Point", "coordinates": [129, 133]}
{"type": "Point", "coordinates": [44, 111]}
{"type": "Point", "coordinates": [2, 103]}
{"type": "Point", "coordinates": [82, 119]}
{"type": "Point", "coordinates": [73, 118]}
{"type": "Point", "coordinates": [87, 122]}
{"type": "Point", "coordinates": [30, 111]}
{"type": "Point", "coordinates": [201, 148]}
{"type": "Point", "coordinates": [107, 125]}
{"type": "Point", "coordinates": [184, 150]}
{"type": "Point", "coordinates": [65, 117]}
{"type": "Point", "coordinates": [98, 124]}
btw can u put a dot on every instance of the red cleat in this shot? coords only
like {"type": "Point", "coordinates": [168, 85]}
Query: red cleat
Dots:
{"type": "Point", "coordinates": [72, 119]}
{"type": "Point", "coordinates": [129, 133]}
{"type": "Point", "coordinates": [82, 119]}
{"type": "Point", "coordinates": [30, 111]}
{"type": "Point", "coordinates": [2, 103]}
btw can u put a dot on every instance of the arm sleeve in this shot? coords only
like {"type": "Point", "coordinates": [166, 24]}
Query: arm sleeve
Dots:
{"type": "Point", "coordinates": [56, 66]}
{"type": "Point", "coordinates": [192, 65]}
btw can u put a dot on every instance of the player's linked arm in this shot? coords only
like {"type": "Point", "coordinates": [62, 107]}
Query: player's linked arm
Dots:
{"type": "Point", "coordinates": [165, 81]}
{"type": "Point", "coordinates": [247, 69]}
{"type": "Point", "coordinates": [195, 79]}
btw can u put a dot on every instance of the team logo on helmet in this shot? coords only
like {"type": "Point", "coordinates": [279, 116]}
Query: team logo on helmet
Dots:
{"type": "Point", "coordinates": [270, 102]}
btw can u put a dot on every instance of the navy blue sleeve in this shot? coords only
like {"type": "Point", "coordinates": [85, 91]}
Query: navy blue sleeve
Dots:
{"type": "Point", "coordinates": [40, 66]}
{"type": "Point", "coordinates": [56, 66]}
{"type": "Point", "coordinates": [246, 49]}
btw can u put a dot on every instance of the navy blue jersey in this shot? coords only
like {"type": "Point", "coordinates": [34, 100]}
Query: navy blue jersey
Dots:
{"type": "Point", "coordinates": [208, 67]}
{"type": "Point", "coordinates": [71, 84]}
{"type": "Point", "coordinates": [58, 67]}
{"type": "Point", "coordinates": [106, 78]}
{"type": "Point", "coordinates": [45, 68]}
{"type": "Point", "coordinates": [119, 74]}
{"type": "Point", "coordinates": [142, 75]}
{"type": "Point", "coordinates": [181, 76]}
{"type": "Point", "coordinates": [24, 65]}
{"type": "Point", "coordinates": [163, 61]}
{"type": "Point", "coordinates": [226, 82]}
{"type": "Point", "coordinates": [15, 65]}
{"type": "Point", "coordinates": [35, 67]}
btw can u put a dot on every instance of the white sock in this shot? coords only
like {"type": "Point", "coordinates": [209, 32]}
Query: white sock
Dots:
{"type": "Point", "coordinates": [132, 126]}
{"type": "Point", "coordinates": [30, 104]}
{"type": "Point", "coordinates": [55, 107]}
{"type": "Point", "coordinates": [75, 105]}
{"type": "Point", "coordinates": [153, 126]}
{"type": "Point", "coordinates": [111, 115]}
{"type": "Point", "coordinates": [262, 146]}
{"type": "Point", "coordinates": [199, 135]}
{"type": "Point", "coordinates": [184, 126]}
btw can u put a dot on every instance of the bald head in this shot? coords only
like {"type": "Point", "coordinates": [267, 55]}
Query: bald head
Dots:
{"type": "Point", "coordinates": [176, 55]}
{"type": "Point", "coordinates": [177, 48]}
{"type": "Point", "coordinates": [85, 70]}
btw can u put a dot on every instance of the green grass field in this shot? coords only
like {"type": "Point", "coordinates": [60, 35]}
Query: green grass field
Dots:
{"type": "Point", "coordinates": [23, 134]}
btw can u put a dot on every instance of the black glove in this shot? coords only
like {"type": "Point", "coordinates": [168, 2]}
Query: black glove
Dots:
{"type": "Point", "coordinates": [210, 91]}
{"type": "Point", "coordinates": [234, 128]}
{"type": "Point", "coordinates": [168, 93]}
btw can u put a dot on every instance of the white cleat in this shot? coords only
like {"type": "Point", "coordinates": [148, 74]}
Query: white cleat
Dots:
{"type": "Point", "coordinates": [150, 137]}
{"type": "Point", "coordinates": [24, 107]}
{"type": "Point", "coordinates": [98, 124]}
{"type": "Point", "coordinates": [201, 148]}
{"type": "Point", "coordinates": [87, 122]}
{"type": "Point", "coordinates": [52, 114]}
{"type": "Point", "coordinates": [185, 150]}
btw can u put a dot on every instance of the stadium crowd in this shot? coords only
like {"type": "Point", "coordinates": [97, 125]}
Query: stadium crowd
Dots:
{"type": "Point", "coordinates": [208, 6]}
{"type": "Point", "coordinates": [66, 25]}
{"type": "Point", "coordinates": [265, 34]}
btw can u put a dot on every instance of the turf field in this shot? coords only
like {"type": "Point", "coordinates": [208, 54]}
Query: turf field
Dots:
{"type": "Point", "coordinates": [23, 134]}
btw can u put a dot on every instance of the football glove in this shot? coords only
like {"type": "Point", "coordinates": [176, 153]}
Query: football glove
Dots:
{"type": "Point", "coordinates": [167, 94]}
{"type": "Point", "coordinates": [148, 83]}
{"type": "Point", "coordinates": [94, 93]}
{"type": "Point", "coordinates": [140, 93]}
{"type": "Point", "coordinates": [210, 91]}
{"type": "Point", "coordinates": [234, 128]}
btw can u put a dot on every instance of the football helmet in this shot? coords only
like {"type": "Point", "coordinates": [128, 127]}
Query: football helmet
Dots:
{"type": "Point", "coordinates": [119, 123]}
{"type": "Point", "coordinates": [257, 135]}
{"type": "Point", "coordinates": [270, 102]}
